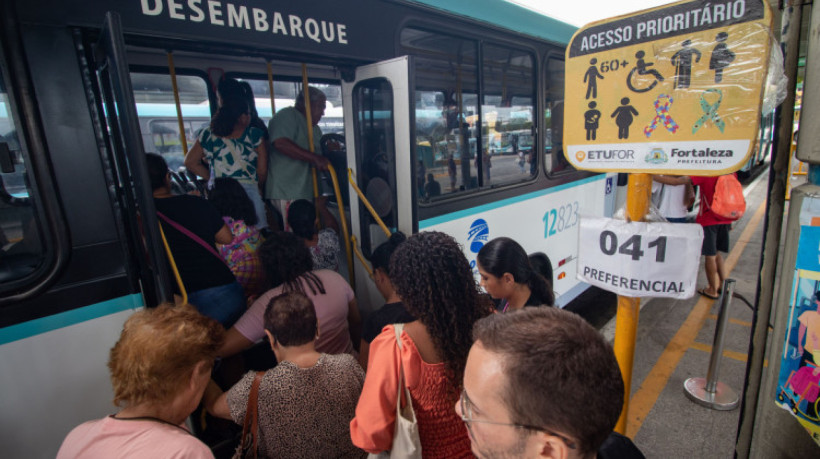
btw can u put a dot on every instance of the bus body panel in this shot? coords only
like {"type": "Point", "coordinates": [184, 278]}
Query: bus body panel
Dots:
{"type": "Point", "coordinates": [543, 221]}
{"type": "Point", "coordinates": [54, 375]}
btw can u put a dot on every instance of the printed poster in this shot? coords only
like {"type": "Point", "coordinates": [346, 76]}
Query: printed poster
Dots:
{"type": "Point", "coordinates": [798, 388]}
{"type": "Point", "coordinates": [676, 89]}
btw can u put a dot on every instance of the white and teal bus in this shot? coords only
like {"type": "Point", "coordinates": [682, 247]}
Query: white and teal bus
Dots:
{"type": "Point", "coordinates": [415, 88]}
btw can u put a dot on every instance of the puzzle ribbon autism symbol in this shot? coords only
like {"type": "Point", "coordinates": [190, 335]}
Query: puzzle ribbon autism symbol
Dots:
{"type": "Point", "coordinates": [710, 111]}
{"type": "Point", "coordinates": [662, 116]}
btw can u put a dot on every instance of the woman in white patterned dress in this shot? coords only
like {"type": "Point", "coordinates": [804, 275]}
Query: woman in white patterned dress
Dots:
{"type": "Point", "coordinates": [231, 147]}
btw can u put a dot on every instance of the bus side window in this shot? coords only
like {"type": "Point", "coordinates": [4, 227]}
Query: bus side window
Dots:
{"type": "Point", "coordinates": [21, 248]}
{"type": "Point", "coordinates": [554, 117]}
{"type": "Point", "coordinates": [446, 109]}
{"type": "Point", "coordinates": [508, 114]}
{"type": "Point", "coordinates": [158, 116]}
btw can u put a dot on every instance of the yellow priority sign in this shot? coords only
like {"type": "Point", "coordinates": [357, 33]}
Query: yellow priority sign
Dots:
{"type": "Point", "coordinates": [675, 90]}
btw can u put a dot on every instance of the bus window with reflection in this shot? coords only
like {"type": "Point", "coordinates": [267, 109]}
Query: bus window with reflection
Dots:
{"type": "Point", "coordinates": [21, 244]}
{"type": "Point", "coordinates": [554, 159]}
{"type": "Point", "coordinates": [157, 113]}
{"type": "Point", "coordinates": [508, 112]}
{"type": "Point", "coordinates": [446, 108]}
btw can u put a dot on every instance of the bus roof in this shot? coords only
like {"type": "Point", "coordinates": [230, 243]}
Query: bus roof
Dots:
{"type": "Point", "coordinates": [509, 16]}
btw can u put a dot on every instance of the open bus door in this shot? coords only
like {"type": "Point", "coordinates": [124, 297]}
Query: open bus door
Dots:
{"type": "Point", "coordinates": [126, 159]}
{"type": "Point", "coordinates": [377, 133]}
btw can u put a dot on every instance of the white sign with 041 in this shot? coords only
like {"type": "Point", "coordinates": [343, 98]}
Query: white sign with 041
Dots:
{"type": "Point", "coordinates": [639, 259]}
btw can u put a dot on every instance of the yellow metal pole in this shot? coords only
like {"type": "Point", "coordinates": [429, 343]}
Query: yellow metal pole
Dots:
{"type": "Point", "coordinates": [360, 256]}
{"type": "Point", "coordinates": [173, 72]}
{"type": "Point", "coordinates": [352, 182]}
{"type": "Point", "coordinates": [343, 221]}
{"type": "Point", "coordinates": [309, 119]}
{"type": "Point", "coordinates": [638, 194]}
{"type": "Point", "coordinates": [270, 87]}
{"type": "Point", "coordinates": [174, 266]}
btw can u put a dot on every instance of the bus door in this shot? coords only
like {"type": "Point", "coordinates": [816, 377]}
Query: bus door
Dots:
{"type": "Point", "coordinates": [377, 132]}
{"type": "Point", "coordinates": [123, 142]}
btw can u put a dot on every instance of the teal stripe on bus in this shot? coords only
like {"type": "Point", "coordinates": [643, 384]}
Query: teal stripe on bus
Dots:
{"type": "Point", "coordinates": [508, 15]}
{"type": "Point", "coordinates": [65, 319]}
{"type": "Point", "coordinates": [505, 202]}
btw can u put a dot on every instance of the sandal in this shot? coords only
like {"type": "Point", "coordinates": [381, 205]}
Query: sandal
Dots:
{"type": "Point", "coordinates": [703, 293]}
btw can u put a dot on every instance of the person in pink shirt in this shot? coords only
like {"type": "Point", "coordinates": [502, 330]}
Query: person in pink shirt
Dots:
{"type": "Point", "coordinates": [160, 368]}
{"type": "Point", "coordinates": [288, 266]}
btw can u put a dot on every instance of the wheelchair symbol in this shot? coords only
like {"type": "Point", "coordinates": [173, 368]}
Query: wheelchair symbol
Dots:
{"type": "Point", "coordinates": [641, 68]}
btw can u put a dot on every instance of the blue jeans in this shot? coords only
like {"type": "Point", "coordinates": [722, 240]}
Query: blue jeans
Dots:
{"type": "Point", "coordinates": [253, 192]}
{"type": "Point", "coordinates": [223, 303]}
{"type": "Point", "coordinates": [676, 220]}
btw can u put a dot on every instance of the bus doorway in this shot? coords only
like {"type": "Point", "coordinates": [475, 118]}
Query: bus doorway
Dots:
{"type": "Point", "coordinates": [377, 105]}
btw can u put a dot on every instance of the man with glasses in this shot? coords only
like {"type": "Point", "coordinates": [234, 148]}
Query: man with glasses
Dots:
{"type": "Point", "coordinates": [541, 382]}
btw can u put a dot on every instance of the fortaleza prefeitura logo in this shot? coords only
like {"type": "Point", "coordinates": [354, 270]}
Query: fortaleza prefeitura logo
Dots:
{"type": "Point", "coordinates": [657, 156]}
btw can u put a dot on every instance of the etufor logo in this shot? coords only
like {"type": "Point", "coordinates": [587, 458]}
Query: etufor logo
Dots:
{"type": "Point", "coordinates": [478, 235]}
{"type": "Point", "coordinates": [580, 155]}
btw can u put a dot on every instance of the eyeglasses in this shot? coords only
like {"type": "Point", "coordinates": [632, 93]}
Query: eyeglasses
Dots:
{"type": "Point", "coordinates": [467, 417]}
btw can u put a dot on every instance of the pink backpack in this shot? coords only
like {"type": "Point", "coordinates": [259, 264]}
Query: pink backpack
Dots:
{"type": "Point", "coordinates": [728, 201]}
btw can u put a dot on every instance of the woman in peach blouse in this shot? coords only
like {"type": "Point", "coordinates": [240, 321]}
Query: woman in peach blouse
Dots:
{"type": "Point", "coordinates": [435, 281]}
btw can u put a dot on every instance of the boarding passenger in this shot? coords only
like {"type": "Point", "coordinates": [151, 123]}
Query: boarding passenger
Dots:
{"type": "Point", "coordinates": [231, 200]}
{"type": "Point", "coordinates": [193, 227]}
{"type": "Point", "coordinates": [233, 148]}
{"type": "Point", "coordinates": [715, 231]}
{"type": "Point", "coordinates": [159, 369]}
{"type": "Point", "coordinates": [289, 267]}
{"type": "Point", "coordinates": [323, 244]}
{"type": "Point", "coordinates": [541, 382]}
{"type": "Point", "coordinates": [506, 275]}
{"type": "Point", "coordinates": [435, 281]}
{"type": "Point", "coordinates": [393, 311]}
{"type": "Point", "coordinates": [671, 200]}
{"type": "Point", "coordinates": [247, 93]}
{"type": "Point", "coordinates": [307, 401]}
{"type": "Point", "coordinates": [541, 263]}
{"type": "Point", "coordinates": [290, 158]}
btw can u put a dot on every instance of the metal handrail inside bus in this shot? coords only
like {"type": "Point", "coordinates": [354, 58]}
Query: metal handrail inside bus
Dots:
{"type": "Point", "coordinates": [173, 263]}
{"type": "Point", "coordinates": [352, 182]}
{"type": "Point", "coordinates": [309, 122]}
{"type": "Point", "coordinates": [343, 221]}
{"type": "Point", "coordinates": [270, 87]}
{"type": "Point", "coordinates": [172, 70]}
{"type": "Point", "coordinates": [360, 256]}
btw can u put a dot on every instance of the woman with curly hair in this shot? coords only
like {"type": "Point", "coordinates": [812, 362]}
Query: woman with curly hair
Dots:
{"type": "Point", "coordinates": [236, 208]}
{"type": "Point", "coordinates": [434, 279]}
{"type": "Point", "coordinates": [232, 147]}
{"type": "Point", "coordinates": [507, 276]}
{"type": "Point", "coordinates": [288, 268]}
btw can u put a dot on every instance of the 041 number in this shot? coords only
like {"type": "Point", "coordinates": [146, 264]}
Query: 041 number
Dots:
{"type": "Point", "coordinates": [557, 220]}
{"type": "Point", "coordinates": [632, 246]}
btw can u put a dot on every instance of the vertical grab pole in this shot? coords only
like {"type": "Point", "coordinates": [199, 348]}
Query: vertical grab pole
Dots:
{"type": "Point", "coordinates": [270, 87]}
{"type": "Point", "coordinates": [173, 72]}
{"type": "Point", "coordinates": [638, 194]}
{"type": "Point", "coordinates": [309, 120]}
